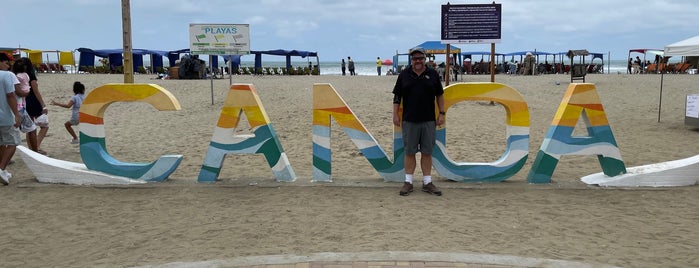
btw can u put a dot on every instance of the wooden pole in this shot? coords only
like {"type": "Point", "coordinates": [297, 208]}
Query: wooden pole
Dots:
{"type": "Point", "coordinates": [126, 26]}
{"type": "Point", "coordinates": [492, 62]}
{"type": "Point", "coordinates": [448, 67]}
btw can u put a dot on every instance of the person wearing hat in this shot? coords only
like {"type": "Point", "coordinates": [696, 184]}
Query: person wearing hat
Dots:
{"type": "Point", "coordinates": [9, 117]}
{"type": "Point", "coordinates": [417, 88]}
{"type": "Point", "coordinates": [529, 63]}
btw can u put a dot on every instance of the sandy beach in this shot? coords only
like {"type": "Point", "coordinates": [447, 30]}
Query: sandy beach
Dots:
{"type": "Point", "coordinates": [248, 213]}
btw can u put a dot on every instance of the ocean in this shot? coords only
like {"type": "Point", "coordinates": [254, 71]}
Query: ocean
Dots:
{"type": "Point", "coordinates": [369, 68]}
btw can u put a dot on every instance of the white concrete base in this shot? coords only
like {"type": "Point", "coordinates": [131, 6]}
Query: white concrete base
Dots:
{"type": "Point", "coordinates": [683, 172]}
{"type": "Point", "coordinates": [50, 170]}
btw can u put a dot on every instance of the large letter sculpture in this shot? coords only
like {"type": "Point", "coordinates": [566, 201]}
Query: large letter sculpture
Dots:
{"type": "Point", "coordinates": [327, 103]}
{"type": "Point", "coordinates": [93, 149]}
{"type": "Point", "coordinates": [579, 100]}
{"type": "Point", "coordinates": [517, 121]}
{"type": "Point", "coordinates": [243, 98]}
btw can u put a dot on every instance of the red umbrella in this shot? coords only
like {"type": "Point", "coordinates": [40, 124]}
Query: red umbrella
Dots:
{"type": "Point", "coordinates": [387, 62]}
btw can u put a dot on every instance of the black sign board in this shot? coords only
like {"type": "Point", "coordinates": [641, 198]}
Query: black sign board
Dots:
{"type": "Point", "coordinates": [471, 24]}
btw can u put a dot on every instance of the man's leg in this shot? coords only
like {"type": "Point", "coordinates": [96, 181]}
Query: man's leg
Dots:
{"type": "Point", "coordinates": [425, 164]}
{"type": "Point", "coordinates": [409, 163]}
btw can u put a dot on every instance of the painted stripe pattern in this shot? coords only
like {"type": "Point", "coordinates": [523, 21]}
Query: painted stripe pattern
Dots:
{"type": "Point", "coordinates": [517, 124]}
{"type": "Point", "coordinates": [243, 98]}
{"type": "Point", "coordinates": [580, 100]}
{"type": "Point", "coordinates": [93, 149]}
{"type": "Point", "coordinates": [327, 105]}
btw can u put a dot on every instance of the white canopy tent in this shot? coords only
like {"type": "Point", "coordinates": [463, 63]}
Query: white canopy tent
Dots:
{"type": "Point", "coordinates": [687, 47]}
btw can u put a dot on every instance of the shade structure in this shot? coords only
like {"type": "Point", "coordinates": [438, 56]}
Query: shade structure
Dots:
{"type": "Point", "coordinates": [436, 47]}
{"type": "Point", "coordinates": [687, 47]}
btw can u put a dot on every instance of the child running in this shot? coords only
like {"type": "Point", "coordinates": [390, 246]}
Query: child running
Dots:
{"type": "Point", "coordinates": [75, 103]}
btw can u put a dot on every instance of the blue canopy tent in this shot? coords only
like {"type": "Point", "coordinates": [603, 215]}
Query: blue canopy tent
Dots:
{"type": "Point", "coordinates": [174, 55]}
{"type": "Point", "coordinates": [115, 56]}
{"type": "Point", "coordinates": [281, 52]}
{"type": "Point", "coordinates": [436, 47]}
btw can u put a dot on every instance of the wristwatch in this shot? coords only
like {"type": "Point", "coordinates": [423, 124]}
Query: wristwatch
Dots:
{"type": "Point", "coordinates": [442, 113]}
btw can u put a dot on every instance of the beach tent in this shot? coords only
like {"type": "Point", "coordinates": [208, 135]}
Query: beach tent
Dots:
{"type": "Point", "coordinates": [436, 47]}
{"type": "Point", "coordinates": [687, 47]}
{"type": "Point", "coordinates": [644, 51]}
{"type": "Point", "coordinates": [286, 53]}
{"type": "Point", "coordinates": [116, 58]}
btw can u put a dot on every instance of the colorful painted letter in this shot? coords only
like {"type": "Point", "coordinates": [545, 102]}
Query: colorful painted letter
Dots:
{"type": "Point", "coordinates": [579, 100]}
{"type": "Point", "coordinates": [517, 150]}
{"type": "Point", "coordinates": [93, 149]}
{"type": "Point", "coordinates": [327, 103]}
{"type": "Point", "coordinates": [243, 98]}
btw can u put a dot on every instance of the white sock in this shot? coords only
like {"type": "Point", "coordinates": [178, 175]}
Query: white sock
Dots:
{"type": "Point", "coordinates": [409, 178]}
{"type": "Point", "coordinates": [426, 180]}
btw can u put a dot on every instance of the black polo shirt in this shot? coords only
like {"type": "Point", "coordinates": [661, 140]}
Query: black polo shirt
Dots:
{"type": "Point", "coordinates": [418, 93]}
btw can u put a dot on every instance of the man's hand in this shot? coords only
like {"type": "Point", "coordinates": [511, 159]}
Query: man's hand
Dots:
{"type": "Point", "coordinates": [396, 120]}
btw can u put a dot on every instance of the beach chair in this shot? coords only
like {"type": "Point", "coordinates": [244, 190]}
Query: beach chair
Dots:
{"type": "Point", "coordinates": [651, 68]}
{"type": "Point", "coordinates": [44, 68]}
{"type": "Point", "coordinates": [671, 68]}
{"type": "Point", "coordinates": [684, 68]}
{"type": "Point", "coordinates": [53, 67]}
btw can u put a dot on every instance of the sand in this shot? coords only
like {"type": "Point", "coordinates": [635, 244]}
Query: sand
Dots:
{"type": "Point", "coordinates": [247, 213]}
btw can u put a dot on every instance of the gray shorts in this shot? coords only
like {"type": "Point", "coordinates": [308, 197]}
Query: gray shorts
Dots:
{"type": "Point", "coordinates": [419, 137]}
{"type": "Point", "coordinates": [9, 135]}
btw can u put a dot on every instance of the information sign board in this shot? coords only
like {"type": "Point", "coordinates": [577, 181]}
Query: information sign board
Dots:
{"type": "Point", "coordinates": [219, 39]}
{"type": "Point", "coordinates": [471, 24]}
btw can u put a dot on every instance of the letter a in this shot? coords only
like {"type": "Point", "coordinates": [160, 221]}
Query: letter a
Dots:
{"type": "Point", "coordinates": [580, 100]}
{"type": "Point", "coordinates": [243, 98]}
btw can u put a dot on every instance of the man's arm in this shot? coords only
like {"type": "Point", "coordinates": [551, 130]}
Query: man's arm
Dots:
{"type": "Point", "coordinates": [12, 101]}
{"type": "Point", "coordinates": [440, 105]}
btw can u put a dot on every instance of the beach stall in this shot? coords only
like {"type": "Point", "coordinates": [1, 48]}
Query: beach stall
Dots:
{"type": "Point", "coordinates": [577, 70]}
{"type": "Point", "coordinates": [688, 48]}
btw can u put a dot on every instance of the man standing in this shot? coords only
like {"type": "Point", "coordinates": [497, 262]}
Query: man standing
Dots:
{"type": "Point", "coordinates": [343, 67]}
{"type": "Point", "coordinates": [9, 118]}
{"type": "Point", "coordinates": [417, 87]}
{"type": "Point", "coordinates": [350, 65]}
{"type": "Point", "coordinates": [378, 65]}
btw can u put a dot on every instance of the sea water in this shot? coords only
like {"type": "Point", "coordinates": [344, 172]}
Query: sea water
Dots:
{"type": "Point", "coordinates": [369, 68]}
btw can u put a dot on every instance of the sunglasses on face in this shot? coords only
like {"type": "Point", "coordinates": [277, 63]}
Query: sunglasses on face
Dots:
{"type": "Point", "coordinates": [417, 58]}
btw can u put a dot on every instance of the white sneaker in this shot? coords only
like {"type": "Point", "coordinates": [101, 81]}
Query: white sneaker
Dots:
{"type": "Point", "coordinates": [5, 176]}
{"type": "Point", "coordinates": [75, 141]}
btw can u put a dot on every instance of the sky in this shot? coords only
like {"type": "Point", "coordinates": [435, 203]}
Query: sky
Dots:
{"type": "Point", "coordinates": [362, 29]}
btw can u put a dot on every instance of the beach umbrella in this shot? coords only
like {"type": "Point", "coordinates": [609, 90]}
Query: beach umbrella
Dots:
{"type": "Point", "coordinates": [387, 62]}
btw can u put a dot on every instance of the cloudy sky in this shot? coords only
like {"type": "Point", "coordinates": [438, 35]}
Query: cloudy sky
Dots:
{"type": "Point", "coordinates": [363, 29]}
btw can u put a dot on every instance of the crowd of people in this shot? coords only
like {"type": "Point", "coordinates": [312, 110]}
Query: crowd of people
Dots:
{"type": "Point", "coordinates": [23, 110]}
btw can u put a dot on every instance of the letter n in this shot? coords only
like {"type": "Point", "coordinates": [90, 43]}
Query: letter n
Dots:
{"type": "Point", "coordinates": [243, 98]}
{"type": "Point", "coordinates": [327, 103]}
{"type": "Point", "coordinates": [580, 100]}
